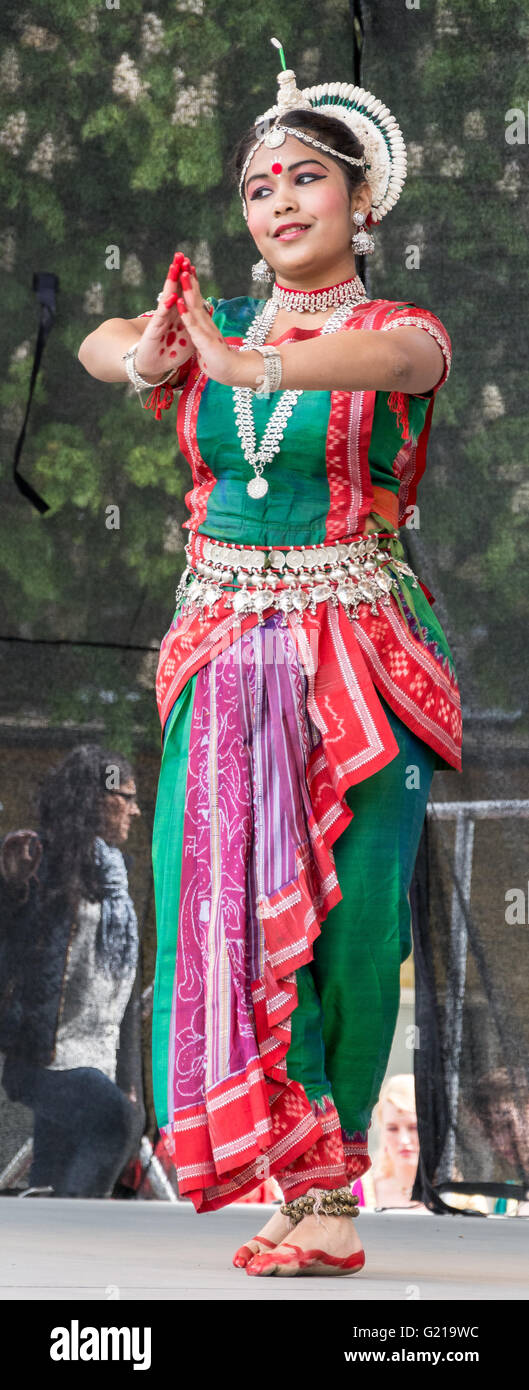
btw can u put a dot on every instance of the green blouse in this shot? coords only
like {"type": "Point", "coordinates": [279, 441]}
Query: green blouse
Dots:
{"type": "Point", "coordinates": [306, 482]}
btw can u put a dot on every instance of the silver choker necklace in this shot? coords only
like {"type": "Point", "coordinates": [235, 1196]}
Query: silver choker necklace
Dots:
{"type": "Point", "coordinates": [346, 292]}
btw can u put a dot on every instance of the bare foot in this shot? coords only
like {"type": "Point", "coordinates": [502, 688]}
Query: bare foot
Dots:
{"type": "Point", "coordinates": [334, 1235]}
{"type": "Point", "coordinates": [275, 1230]}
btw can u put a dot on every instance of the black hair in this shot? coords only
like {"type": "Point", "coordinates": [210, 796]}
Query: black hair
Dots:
{"type": "Point", "coordinates": [71, 802]}
{"type": "Point", "coordinates": [328, 129]}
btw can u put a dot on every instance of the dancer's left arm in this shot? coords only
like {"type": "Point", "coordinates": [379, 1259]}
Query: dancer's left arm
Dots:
{"type": "Point", "coordinates": [407, 359]}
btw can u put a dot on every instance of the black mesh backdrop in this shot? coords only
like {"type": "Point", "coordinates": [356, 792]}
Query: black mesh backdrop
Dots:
{"type": "Point", "coordinates": [116, 129]}
{"type": "Point", "coordinates": [455, 244]}
{"type": "Point", "coordinates": [115, 133]}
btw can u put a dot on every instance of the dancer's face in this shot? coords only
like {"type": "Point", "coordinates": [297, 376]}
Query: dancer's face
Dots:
{"type": "Point", "coordinates": [296, 182]}
{"type": "Point", "coordinates": [399, 1133]}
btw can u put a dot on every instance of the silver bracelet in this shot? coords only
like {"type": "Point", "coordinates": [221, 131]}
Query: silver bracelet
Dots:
{"type": "Point", "coordinates": [138, 381]}
{"type": "Point", "coordinates": [273, 369]}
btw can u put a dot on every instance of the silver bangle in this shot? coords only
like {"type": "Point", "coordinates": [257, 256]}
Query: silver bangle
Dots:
{"type": "Point", "coordinates": [273, 369]}
{"type": "Point", "coordinates": [138, 381]}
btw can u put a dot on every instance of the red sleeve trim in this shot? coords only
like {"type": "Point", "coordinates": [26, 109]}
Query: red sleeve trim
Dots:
{"type": "Point", "coordinates": [422, 318]}
{"type": "Point", "coordinates": [413, 317]}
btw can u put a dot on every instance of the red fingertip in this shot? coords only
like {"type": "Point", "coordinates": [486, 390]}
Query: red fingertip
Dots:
{"type": "Point", "coordinates": [181, 306]}
{"type": "Point", "coordinates": [173, 273]}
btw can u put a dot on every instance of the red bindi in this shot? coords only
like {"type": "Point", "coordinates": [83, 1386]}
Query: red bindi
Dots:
{"type": "Point", "coordinates": [277, 168]}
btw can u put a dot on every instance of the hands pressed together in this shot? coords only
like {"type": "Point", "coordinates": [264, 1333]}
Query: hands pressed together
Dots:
{"type": "Point", "coordinates": [181, 327]}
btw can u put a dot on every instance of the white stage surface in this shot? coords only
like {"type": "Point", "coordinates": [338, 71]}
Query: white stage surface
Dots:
{"type": "Point", "coordinates": [67, 1249]}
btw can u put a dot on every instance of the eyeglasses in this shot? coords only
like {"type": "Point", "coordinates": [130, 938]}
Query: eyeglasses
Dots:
{"type": "Point", "coordinates": [128, 796]}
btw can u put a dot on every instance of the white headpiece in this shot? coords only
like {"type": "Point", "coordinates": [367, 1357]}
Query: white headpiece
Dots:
{"type": "Point", "coordinates": [384, 160]}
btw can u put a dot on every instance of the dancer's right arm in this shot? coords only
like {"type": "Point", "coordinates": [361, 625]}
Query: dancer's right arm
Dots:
{"type": "Point", "coordinates": [164, 340]}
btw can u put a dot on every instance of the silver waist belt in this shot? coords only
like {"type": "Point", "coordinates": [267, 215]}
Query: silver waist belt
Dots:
{"type": "Point", "coordinates": [288, 581]}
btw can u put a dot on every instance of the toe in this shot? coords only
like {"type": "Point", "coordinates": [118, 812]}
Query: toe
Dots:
{"type": "Point", "coordinates": [283, 1260]}
{"type": "Point", "coordinates": [243, 1255]}
{"type": "Point", "coordinates": [247, 1252]}
{"type": "Point", "coordinates": [260, 1264]}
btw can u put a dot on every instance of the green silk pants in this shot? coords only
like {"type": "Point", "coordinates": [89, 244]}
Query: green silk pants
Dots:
{"type": "Point", "coordinates": [343, 1027]}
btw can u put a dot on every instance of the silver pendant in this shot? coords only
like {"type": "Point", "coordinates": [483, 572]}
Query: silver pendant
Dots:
{"type": "Point", "coordinates": [257, 487]}
{"type": "Point", "coordinates": [275, 137]}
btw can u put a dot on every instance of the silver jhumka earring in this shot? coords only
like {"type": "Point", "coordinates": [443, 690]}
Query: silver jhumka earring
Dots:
{"type": "Point", "coordinates": [263, 271]}
{"type": "Point", "coordinates": [362, 242]}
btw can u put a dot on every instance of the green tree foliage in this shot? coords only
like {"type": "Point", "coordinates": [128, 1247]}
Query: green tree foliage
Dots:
{"type": "Point", "coordinates": [465, 206]}
{"type": "Point", "coordinates": [117, 123]}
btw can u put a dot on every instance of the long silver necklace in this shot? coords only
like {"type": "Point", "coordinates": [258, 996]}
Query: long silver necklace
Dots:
{"type": "Point", "coordinates": [256, 334]}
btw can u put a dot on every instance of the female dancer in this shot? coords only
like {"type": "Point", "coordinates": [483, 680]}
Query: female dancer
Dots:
{"type": "Point", "coordinates": [305, 688]}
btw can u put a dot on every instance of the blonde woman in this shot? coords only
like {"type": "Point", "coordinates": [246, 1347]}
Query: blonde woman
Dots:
{"type": "Point", "coordinates": [390, 1181]}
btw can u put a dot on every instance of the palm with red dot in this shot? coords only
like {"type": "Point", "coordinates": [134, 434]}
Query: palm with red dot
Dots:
{"type": "Point", "coordinates": [165, 342]}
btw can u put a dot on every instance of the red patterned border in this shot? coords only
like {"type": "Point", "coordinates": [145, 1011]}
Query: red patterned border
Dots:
{"type": "Point", "coordinates": [425, 697]}
{"type": "Point", "coordinates": [348, 439]}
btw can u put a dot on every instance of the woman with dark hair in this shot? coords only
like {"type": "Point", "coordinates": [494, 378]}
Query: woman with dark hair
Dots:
{"type": "Point", "coordinates": [306, 690]}
{"type": "Point", "coordinates": [70, 948]}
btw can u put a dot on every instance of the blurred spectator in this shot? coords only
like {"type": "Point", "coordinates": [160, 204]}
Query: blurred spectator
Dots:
{"type": "Point", "coordinates": [501, 1107]}
{"type": "Point", "coordinates": [389, 1183]}
{"type": "Point", "coordinates": [69, 1005]}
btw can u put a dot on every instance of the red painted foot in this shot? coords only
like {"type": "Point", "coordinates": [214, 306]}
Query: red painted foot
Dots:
{"type": "Point", "coordinates": [305, 1262]}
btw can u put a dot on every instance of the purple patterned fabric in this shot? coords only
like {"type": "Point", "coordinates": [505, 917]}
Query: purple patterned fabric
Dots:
{"type": "Point", "coordinates": [249, 745]}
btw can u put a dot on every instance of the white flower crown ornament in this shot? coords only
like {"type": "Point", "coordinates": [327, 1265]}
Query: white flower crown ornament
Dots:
{"type": "Point", "coordinates": [384, 160]}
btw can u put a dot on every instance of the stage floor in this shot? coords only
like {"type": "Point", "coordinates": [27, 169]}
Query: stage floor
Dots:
{"type": "Point", "coordinates": [63, 1249]}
